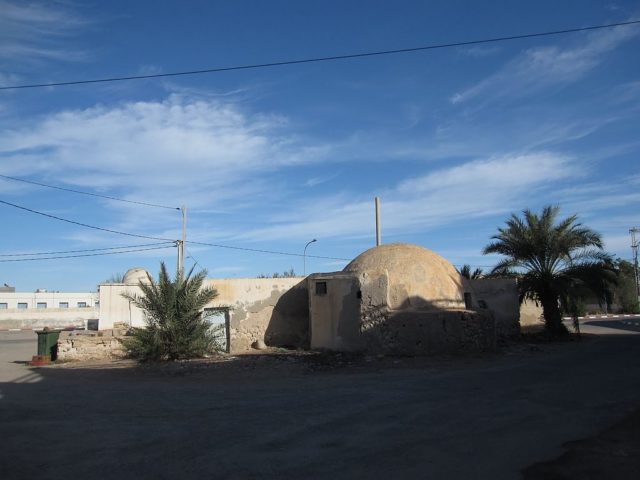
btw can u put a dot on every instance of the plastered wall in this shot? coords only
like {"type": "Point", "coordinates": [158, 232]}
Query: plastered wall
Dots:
{"type": "Point", "coordinates": [355, 314]}
{"type": "Point", "coordinates": [500, 296]}
{"type": "Point", "coordinates": [274, 310]}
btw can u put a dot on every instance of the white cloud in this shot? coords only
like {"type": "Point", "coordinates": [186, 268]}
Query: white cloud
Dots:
{"type": "Point", "coordinates": [540, 67]}
{"type": "Point", "coordinates": [37, 31]}
{"type": "Point", "coordinates": [205, 153]}
{"type": "Point", "coordinates": [178, 147]}
{"type": "Point", "coordinates": [474, 189]}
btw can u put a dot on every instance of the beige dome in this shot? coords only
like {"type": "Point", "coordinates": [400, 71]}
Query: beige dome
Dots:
{"type": "Point", "coordinates": [416, 277]}
{"type": "Point", "coordinates": [135, 276]}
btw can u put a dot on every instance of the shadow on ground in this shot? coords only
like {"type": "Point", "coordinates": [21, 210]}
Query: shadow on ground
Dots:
{"type": "Point", "coordinates": [612, 454]}
{"type": "Point", "coordinates": [304, 416]}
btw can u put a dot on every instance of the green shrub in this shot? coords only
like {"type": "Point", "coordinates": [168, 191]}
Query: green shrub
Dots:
{"type": "Point", "coordinates": [175, 327]}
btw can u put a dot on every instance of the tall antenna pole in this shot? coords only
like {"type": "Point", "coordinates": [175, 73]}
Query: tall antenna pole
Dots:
{"type": "Point", "coordinates": [378, 224]}
{"type": "Point", "coordinates": [634, 249]}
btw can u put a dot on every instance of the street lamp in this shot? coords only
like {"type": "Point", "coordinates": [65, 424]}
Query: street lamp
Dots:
{"type": "Point", "coordinates": [304, 258]}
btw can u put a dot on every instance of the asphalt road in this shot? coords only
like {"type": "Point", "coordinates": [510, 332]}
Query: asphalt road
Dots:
{"type": "Point", "coordinates": [608, 324]}
{"type": "Point", "coordinates": [622, 323]}
{"type": "Point", "coordinates": [266, 417]}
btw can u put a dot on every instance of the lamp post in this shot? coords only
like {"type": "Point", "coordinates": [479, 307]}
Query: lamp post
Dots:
{"type": "Point", "coordinates": [304, 258]}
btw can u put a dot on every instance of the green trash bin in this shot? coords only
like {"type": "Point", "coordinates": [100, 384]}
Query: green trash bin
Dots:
{"type": "Point", "coordinates": [48, 342]}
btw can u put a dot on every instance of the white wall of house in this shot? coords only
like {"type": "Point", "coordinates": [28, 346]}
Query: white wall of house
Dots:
{"type": "Point", "coordinates": [26, 310]}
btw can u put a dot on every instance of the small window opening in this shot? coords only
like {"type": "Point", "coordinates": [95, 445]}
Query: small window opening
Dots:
{"type": "Point", "coordinates": [321, 288]}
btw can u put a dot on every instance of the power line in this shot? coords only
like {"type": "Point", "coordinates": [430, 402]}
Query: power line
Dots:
{"type": "Point", "coordinates": [160, 238]}
{"type": "Point", "coordinates": [190, 255]}
{"type": "Point", "coordinates": [84, 255]}
{"type": "Point", "coordinates": [84, 250]}
{"type": "Point", "coordinates": [258, 250]}
{"type": "Point", "coordinates": [88, 193]}
{"type": "Point", "coordinates": [148, 237]}
{"type": "Point", "coordinates": [322, 59]}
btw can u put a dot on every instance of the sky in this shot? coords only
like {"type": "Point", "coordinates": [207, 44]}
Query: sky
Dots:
{"type": "Point", "coordinates": [453, 140]}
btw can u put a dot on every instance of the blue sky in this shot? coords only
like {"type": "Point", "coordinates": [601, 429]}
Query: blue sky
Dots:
{"type": "Point", "coordinates": [452, 140]}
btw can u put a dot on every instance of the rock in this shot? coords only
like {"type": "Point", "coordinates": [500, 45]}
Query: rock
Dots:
{"type": "Point", "coordinates": [259, 345]}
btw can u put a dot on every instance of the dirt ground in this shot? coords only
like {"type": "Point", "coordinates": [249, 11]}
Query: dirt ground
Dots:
{"type": "Point", "coordinates": [304, 415]}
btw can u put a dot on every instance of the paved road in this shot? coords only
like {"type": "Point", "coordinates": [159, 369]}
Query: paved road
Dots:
{"type": "Point", "coordinates": [16, 348]}
{"type": "Point", "coordinates": [268, 418]}
{"type": "Point", "coordinates": [608, 324]}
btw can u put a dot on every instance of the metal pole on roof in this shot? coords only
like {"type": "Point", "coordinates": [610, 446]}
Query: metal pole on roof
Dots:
{"type": "Point", "coordinates": [378, 224]}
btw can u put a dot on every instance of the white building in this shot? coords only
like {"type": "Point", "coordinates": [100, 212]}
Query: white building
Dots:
{"type": "Point", "coordinates": [34, 310]}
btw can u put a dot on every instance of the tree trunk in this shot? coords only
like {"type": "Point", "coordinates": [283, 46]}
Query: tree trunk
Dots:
{"type": "Point", "coordinates": [552, 315]}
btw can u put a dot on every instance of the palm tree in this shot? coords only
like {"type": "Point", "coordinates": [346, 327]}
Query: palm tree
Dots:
{"type": "Point", "coordinates": [466, 272]}
{"type": "Point", "coordinates": [557, 262]}
{"type": "Point", "coordinates": [176, 328]}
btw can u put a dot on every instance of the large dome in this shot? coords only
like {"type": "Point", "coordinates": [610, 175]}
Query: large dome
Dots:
{"type": "Point", "coordinates": [135, 276]}
{"type": "Point", "coordinates": [417, 277]}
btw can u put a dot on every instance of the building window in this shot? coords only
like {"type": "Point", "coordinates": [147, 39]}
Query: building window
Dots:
{"type": "Point", "coordinates": [3, 306]}
{"type": "Point", "coordinates": [321, 288]}
{"type": "Point", "coordinates": [82, 304]}
{"type": "Point", "coordinates": [22, 306]}
{"type": "Point", "coordinates": [41, 305]}
{"type": "Point", "coordinates": [63, 305]}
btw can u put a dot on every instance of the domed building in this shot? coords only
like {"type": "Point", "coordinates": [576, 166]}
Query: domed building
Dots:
{"type": "Point", "coordinates": [400, 299]}
{"type": "Point", "coordinates": [136, 275]}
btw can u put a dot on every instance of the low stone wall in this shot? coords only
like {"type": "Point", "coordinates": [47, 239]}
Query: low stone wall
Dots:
{"type": "Point", "coordinates": [91, 346]}
{"type": "Point", "coordinates": [428, 332]}
{"type": "Point", "coordinates": [500, 296]}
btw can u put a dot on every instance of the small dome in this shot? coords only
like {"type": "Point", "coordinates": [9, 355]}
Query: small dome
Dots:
{"type": "Point", "coordinates": [135, 275]}
{"type": "Point", "coordinates": [417, 277]}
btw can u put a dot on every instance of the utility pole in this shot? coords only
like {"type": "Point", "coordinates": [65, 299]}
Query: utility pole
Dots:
{"type": "Point", "coordinates": [181, 243]}
{"type": "Point", "coordinates": [378, 224]}
{"type": "Point", "coordinates": [634, 249]}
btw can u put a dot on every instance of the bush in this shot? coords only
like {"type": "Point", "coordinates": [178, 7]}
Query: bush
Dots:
{"type": "Point", "coordinates": [176, 328]}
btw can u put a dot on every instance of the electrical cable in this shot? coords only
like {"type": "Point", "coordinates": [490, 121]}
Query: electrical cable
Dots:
{"type": "Point", "coordinates": [148, 237]}
{"type": "Point", "coordinates": [323, 59]}
{"type": "Point", "coordinates": [257, 250]}
{"type": "Point", "coordinates": [83, 250]}
{"type": "Point", "coordinates": [83, 255]}
{"type": "Point", "coordinates": [160, 238]}
{"type": "Point", "coordinates": [189, 255]}
{"type": "Point", "coordinates": [88, 193]}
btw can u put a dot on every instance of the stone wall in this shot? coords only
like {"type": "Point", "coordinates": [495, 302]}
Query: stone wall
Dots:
{"type": "Point", "coordinates": [334, 315]}
{"type": "Point", "coordinates": [354, 314]}
{"type": "Point", "coordinates": [428, 332]}
{"type": "Point", "coordinates": [500, 296]}
{"type": "Point", "coordinates": [91, 346]}
{"type": "Point", "coordinates": [274, 310]}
